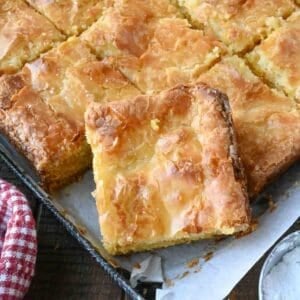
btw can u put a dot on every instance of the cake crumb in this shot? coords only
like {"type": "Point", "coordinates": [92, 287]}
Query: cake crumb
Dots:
{"type": "Point", "coordinates": [169, 283]}
{"type": "Point", "coordinates": [186, 273]}
{"type": "Point", "coordinates": [192, 263]}
{"type": "Point", "coordinates": [137, 265]}
{"type": "Point", "coordinates": [82, 230]}
{"type": "Point", "coordinates": [208, 256]}
{"type": "Point", "coordinates": [271, 203]}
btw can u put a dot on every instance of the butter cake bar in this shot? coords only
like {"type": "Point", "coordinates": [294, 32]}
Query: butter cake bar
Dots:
{"type": "Point", "coordinates": [53, 143]}
{"type": "Point", "coordinates": [240, 24]}
{"type": "Point", "coordinates": [155, 55]}
{"type": "Point", "coordinates": [175, 54]}
{"type": "Point", "coordinates": [42, 108]}
{"type": "Point", "coordinates": [166, 169]}
{"type": "Point", "coordinates": [124, 28]}
{"type": "Point", "coordinates": [24, 34]}
{"type": "Point", "coordinates": [277, 58]}
{"type": "Point", "coordinates": [267, 123]}
{"type": "Point", "coordinates": [69, 77]}
{"type": "Point", "coordinates": [70, 16]}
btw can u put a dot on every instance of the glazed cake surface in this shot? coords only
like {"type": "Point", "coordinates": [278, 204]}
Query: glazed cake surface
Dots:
{"type": "Point", "coordinates": [240, 24]}
{"type": "Point", "coordinates": [124, 27]}
{"type": "Point", "coordinates": [277, 58]}
{"type": "Point", "coordinates": [267, 122]}
{"type": "Point", "coordinates": [70, 16]}
{"type": "Point", "coordinates": [70, 76]}
{"type": "Point", "coordinates": [154, 53]}
{"type": "Point", "coordinates": [53, 143]}
{"type": "Point", "coordinates": [166, 169]}
{"type": "Point", "coordinates": [167, 62]}
{"type": "Point", "coordinates": [24, 34]}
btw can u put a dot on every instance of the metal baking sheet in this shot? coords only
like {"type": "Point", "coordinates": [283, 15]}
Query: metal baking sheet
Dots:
{"type": "Point", "coordinates": [191, 270]}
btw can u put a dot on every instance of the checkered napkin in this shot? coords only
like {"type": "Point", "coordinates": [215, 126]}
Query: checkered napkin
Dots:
{"type": "Point", "coordinates": [18, 245]}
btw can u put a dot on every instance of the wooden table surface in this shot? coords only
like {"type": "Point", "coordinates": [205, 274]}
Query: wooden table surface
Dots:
{"type": "Point", "coordinates": [65, 270]}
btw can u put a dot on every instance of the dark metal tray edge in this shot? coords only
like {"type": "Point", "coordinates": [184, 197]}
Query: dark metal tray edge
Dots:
{"type": "Point", "coordinates": [45, 200]}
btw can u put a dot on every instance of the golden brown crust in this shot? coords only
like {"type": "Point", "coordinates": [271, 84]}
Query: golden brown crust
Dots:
{"type": "Point", "coordinates": [267, 123]}
{"type": "Point", "coordinates": [55, 145]}
{"type": "Point", "coordinates": [56, 90]}
{"type": "Point", "coordinates": [125, 27]}
{"type": "Point", "coordinates": [48, 76]}
{"type": "Point", "coordinates": [146, 10]}
{"type": "Point", "coordinates": [277, 57]}
{"type": "Point", "coordinates": [240, 24]}
{"type": "Point", "coordinates": [69, 77]}
{"type": "Point", "coordinates": [70, 16]}
{"type": "Point", "coordinates": [165, 169]}
{"type": "Point", "coordinates": [24, 34]}
{"type": "Point", "coordinates": [156, 54]}
{"type": "Point", "coordinates": [9, 85]}
{"type": "Point", "coordinates": [175, 54]}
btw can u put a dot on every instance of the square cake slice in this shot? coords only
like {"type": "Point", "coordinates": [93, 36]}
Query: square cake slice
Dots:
{"type": "Point", "coordinates": [176, 53]}
{"type": "Point", "coordinates": [69, 77]}
{"type": "Point", "coordinates": [240, 24]}
{"type": "Point", "coordinates": [267, 123]}
{"type": "Point", "coordinates": [155, 55]}
{"type": "Point", "coordinates": [24, 34]}
{"type": "Point", "coordinates": [277, 58]}
{"type": "Point", "coordinates": [54, 143]}
{"type": "Point", "coordinates": [125, 26]}
{"type": "Point", "coordinates": [70, 16]}
{"type": "Point", "coordinates": [166, 169]}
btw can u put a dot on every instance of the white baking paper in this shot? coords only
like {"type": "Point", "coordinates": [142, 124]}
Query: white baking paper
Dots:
{"type": "Point", "coordinates": [149, 270]}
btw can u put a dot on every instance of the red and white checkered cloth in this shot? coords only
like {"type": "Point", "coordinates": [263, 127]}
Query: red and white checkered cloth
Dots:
{"type": "Point", "coordinates": [18, 245]}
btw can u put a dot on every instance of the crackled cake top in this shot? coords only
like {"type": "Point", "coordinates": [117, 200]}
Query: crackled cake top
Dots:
{"type": "Point", "coordinates": [166, 169]}
{"type": "Point", "coordinates": [42, 134]}
{"type": "Point", "coordinates": [69, 77]}
{"type": "Point", "coordinates": [24, 34]}
{"type": "Point", "coordinates": [238, 23]}
{"type": "Point", "coordinates": [70, 16]}
{"type": "Point", "coordinates": [154, 54]}
{"type": "Point", "coordinates": [277, 58]}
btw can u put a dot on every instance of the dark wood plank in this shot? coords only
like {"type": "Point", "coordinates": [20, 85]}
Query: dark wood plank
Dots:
{"type": "Point", "coordinates": [64, 269]}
